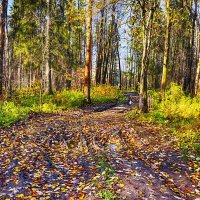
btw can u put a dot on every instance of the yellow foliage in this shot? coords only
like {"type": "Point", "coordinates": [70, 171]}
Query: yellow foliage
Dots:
{"type": "Point", "coordinates": [105, 90]}
{"type": "Point", "coordinates": [29, 91]}
{"type": "Point", "coordinates": [177, 105]}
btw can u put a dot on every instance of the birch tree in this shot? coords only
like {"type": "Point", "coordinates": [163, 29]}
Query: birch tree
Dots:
{"type": "Point", "coordinates": [167, 47]}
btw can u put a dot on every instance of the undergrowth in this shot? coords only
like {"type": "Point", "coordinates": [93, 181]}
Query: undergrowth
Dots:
{"type": "Point", "coordinates": [26, 100]}
{"type": "Point", "coordinates": [105, 93]}
{"type": "Point", "coordinates": [111, 180]}
{"type": "Point", "coordinates": [10, 113]}
{"type": "Point", "coordinates": [177, 112]}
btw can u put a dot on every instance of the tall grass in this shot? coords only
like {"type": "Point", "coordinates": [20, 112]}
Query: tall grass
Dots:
{"type": "Point", "coordinates": [179, 113]}
{"type": "Point", "coordinates": [105, 93]}
{"type": "Point", "coordinates": [27, 100]}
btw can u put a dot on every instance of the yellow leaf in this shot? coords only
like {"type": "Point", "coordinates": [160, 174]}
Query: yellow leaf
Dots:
{"type": "Point", "coordinates": [16, 169]}
{"type": "Point", "coordinates": [16, 182]}
{"type": "Point", "coordinates": [20, 195]}
{"type": "Point", "coordinates": [111, 183]}
{"type": "Point", "coordinates": [171, 180]}
{"type": "Point", "coordinates": [82, 196]}
{"type": "Point", "coordinates": [63, 189]}
{"type": "Point", "coordinates": [121, 185]}
{"type": "Point", "coordinates": [53, 186]}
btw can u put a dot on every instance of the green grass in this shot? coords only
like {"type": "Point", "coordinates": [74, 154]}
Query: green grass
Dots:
{"type": "Point", "coordinates": [107, 195]}
{"type": "Point", "coordinates": [69, 99]}
{"type": "Point", "coordinates": [105, 94]}
{"type": "Point", "coordinates": [28, 100]}
{"type": "Point", "coordinates": [109, 178]}
{"type": "Point", "coordinates": [177, 112]}
{"type": "Point", "coordinates": [10, 113]}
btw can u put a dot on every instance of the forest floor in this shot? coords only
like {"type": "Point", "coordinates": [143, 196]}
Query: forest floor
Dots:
{"type": "Point", "coordinates": [83, 154]}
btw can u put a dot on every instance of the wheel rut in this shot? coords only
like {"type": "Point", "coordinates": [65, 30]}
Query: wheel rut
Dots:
{"type": "Point", "coordinates": [86, 154]}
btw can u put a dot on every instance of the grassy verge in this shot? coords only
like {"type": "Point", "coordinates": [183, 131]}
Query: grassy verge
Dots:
{"type": "Point", "coordinates": [29, 100]}
{"type": "Point", "coordinates": [108, 180]}
{"type": "Point", "coordinates": [178, 113]}
{"type": "Point", "coordinates": [106, 94]}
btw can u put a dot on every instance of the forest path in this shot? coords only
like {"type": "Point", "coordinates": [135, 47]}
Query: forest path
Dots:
{"type": "Point", "coordinates": [83, 154]}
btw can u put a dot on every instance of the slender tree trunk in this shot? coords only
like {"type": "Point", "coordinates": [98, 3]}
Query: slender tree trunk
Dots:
{"type": "Point", "coordinates": [99, 55]}
{"type": "Point", "coordinates": [79, 41]}
{"type": "Point", "coordinates": [100, 43]}
{"type": "Point", "coordinates": [120, 70]}
{"type": "Point", "coordinates": [84, 47]}
{"type": "Point", "coordinates": [2, 33]}
{"type": "Point", "coordinates": [143, 100]}
{"type": "Point", "coordinates": [143, 77]}
{"type": "Point", "coordinates": [167, 47]}
{"type": "Point", "coordinates": [192, 51]}
{"type": "Point", "coordinates": [88, 52]}
{"type": "Point", "coordinates": [69, 68]}
{"type": "Point", "coordinates": [187, 85]}
{"type": "Point", "coordinates": [30, 76]}
{"type": "Point", "coordinates": [197, 80]}
{"type": "Point", "coordinates": [20, 71]}
{"type": "Point", "coordinates": [105, 72]}
{"type": "Point", "coordinates": [47, 50]}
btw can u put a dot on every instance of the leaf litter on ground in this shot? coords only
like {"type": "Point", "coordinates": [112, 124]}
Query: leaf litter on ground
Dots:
{"type": "Point", "coordinates": [88, 155]}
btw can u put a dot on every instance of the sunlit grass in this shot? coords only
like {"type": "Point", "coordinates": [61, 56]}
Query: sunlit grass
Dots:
{"type": "Point", "coordinates": [178, 113]}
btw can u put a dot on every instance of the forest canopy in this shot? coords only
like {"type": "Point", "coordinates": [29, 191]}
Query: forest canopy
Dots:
{"type": "Point", "coordinates": [140, 45]}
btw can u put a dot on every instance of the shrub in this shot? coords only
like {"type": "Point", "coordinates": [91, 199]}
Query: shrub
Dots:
{"type": "Point", "coordinates": [10, 113]}
{"type": "Point", "coordinates": [28, 101]}
{"type": "Point", "coordinates": [188, 140]}
{"type": "Point", "coordinates": [29, 91]}
{"type": "Point", "coordinates": [156, 99]}
{"type": "Point", "coordinates": [180, 113]}
{"type": "Point", "coordinates": [69, 98]}
{"type": "Point", "coordinates": [174, 92]}
{"type": "Point", "coordinates": [107, 195]}
{"type": "Point", "coordinates": [21, 104]}
{"type": "Point", "coordinates": [177, 105]}
{"type": "Point", "coordinates": [49, 108]}
{"type": "Point", "coordinates": [104, 93]}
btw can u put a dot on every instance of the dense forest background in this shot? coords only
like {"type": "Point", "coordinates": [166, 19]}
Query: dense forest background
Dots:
{"type": "Point", "coordinates": [99, 99]}
{"type": "Point", "coordinates": [136, 45]}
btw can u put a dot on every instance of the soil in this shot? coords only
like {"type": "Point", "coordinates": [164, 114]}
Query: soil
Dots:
{"type": "Point", "coordinates": [93, 153]}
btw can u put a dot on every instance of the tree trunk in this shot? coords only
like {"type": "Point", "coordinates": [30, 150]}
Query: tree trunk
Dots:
{"type": "Point", "coordinates": [88, 52]}
{"type": "Point", "coordinates": [167, 47]}
{"type": "Point", "coordinates": [100, 45]}
{"type": "Point", "coordinates": [79, 41]}
{"type": "Point", "coordinates": [143, 100]}
{"type": "Point", "coordinates": [192, 51]}
{"type": "Point", "coordinates": [47, 50]}
{"type": "Point", "coordinates": [197, 80]}
{"type": "Point", "coordinates": [120, 70]}
{"type": "Point", "coordinates": [2, 33]}
{"type": "Point", "coordinates": [20, 71]}
{"type": "Point", "coordinates": [70, 56]}
{"type": "Point", "coordinates": [143, 78]}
